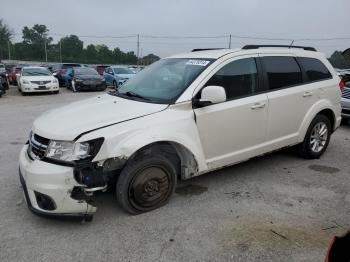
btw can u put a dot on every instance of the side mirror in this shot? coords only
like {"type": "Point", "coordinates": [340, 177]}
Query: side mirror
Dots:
{"type": "Point", "coordinates": [211, 95]}
{"type": "Point", "coordinates": [18, 75]}
{"type": "Point", "coordinates": [54, 74]}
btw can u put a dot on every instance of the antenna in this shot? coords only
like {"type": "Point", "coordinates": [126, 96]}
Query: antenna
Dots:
{"type": "Point", "coordinates": [291, 44]}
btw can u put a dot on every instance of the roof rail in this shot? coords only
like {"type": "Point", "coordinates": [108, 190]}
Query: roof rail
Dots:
{"type": "Point", "coordinates": [308, 48]}
{"type": "Point", "coordinates": [205, 49]}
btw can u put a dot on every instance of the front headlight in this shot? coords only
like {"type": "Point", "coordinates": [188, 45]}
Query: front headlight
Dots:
{"type": "Point", "coordinates": [54, 80]}
{"type": "Point", "coordinates": [25, 81]}
{"type": "Point", "coordinates": [73, 151]}
{"type": "Point", "coordinates": [78, 80]}
{"type": "Point", "coordinates": [67, 151]}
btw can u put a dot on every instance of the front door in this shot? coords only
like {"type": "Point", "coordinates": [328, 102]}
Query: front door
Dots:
{"type": "Point", "coordinates": [234, 130]}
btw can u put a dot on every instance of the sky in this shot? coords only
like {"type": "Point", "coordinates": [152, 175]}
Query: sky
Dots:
{"type": "Point", "coordinates": [286, 19]}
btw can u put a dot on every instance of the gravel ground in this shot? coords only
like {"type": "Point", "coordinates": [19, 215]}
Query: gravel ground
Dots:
{"type": "Point", "coordinates": [273, 208]}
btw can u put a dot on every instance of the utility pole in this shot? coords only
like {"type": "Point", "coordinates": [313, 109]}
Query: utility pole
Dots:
{"type": "Point", "coordinates": [8, 45]}
{"type": "Point", "coordinates": [60, 51]}
{"type": "Point", "coordinates": [45, 51]}
{"type": "Point", "coordinates": [138, 48]}
{"type": "Point", "coordinates": [229, 43]}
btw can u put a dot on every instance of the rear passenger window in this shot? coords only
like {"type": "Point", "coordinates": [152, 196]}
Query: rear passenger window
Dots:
{"type": "Point", "coordinates": [239, 78]}
{"type": "Point", "coordinates": [282, 71]}
{"type": "Point", "coordinates": [315, 70]}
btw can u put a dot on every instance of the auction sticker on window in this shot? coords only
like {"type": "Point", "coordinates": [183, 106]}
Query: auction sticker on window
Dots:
{"type": "Point", "coordinates": [198, 62]}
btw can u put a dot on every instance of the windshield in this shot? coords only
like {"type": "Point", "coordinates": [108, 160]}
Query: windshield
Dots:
{"type": "Point", "coordinates": [36, 72]}
{"type": "Point", "coordinates": [122, 70]}
{"type": "Point", "coordinates": [85, 71]}
{"type": "Point", "coordinates": [164, 81]}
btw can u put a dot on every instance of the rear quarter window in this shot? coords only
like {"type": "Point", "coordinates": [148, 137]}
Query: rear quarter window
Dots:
{"type": "Point", "coordinates": [314, 69]}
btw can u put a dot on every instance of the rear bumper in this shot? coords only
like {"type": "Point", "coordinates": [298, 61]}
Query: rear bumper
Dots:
{"type": "Point", "coordinates": [54, 181]}
{"type": "Point", "coordinates": [345, 104]}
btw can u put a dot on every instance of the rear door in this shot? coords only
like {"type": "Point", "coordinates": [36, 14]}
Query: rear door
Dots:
{"type": "Point", "coordinates": [289, 98]}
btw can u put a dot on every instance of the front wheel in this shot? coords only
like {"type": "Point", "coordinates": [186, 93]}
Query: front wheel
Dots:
{"type": "Point", "coordinates": [146, 183]}
{"type": "Point", "coordinates": [317, 138]}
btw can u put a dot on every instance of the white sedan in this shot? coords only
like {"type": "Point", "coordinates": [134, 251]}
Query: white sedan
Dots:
{"type": "Point", "coordinates": [36, 79]}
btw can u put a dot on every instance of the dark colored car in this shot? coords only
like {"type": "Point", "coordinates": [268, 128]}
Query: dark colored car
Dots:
{"type": "Point", "coordinates": [59, 70]}
{"type": "Point", "coordinates": [3, 78]}
{"type": "Point", "coordinates": [84, 78]}
{"type": "Point", "coordinates": [2, 89]}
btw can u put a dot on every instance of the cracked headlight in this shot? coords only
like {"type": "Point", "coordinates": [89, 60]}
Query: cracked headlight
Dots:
{"type": "Point", "coordinates": [68, 151]}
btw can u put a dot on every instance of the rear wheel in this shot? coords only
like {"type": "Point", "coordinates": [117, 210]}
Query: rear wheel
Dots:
{"type": "Point", "coordinates": [317, 138]}
{"type": "Point", "coordinates": [146, 183]}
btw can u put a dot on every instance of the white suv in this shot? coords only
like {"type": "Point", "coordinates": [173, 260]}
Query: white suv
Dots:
{"type": "Point", "coordinates": [181, 117]}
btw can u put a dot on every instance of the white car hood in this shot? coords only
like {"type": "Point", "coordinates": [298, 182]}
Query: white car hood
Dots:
{"type": "Point", "coordinates": [38, 78]}
{"type": "Point", "coordinates": [68, 122]}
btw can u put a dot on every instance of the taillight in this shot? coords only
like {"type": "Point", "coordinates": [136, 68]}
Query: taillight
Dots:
{"type": "Point", "coordinates": [341, 85]}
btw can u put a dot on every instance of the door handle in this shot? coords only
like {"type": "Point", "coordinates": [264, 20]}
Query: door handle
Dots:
{"type": "Point", "coordinates": [306, 94]}
{"type": "Point", "coordinates": [258, 105]}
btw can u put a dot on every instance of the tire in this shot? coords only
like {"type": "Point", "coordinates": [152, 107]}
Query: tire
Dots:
{"type": "Point", "coordinates": [315, 144]}
{"type": "Point", "coordinates": [146, 183]}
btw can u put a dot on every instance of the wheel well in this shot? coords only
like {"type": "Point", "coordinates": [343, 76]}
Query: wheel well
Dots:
{"type": "Point", "coordinates": [184, 161]}
{"type": "Point", "coordinates": [330, 115]}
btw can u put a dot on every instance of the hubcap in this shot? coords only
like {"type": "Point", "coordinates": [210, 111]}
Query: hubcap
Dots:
{"type": "Point", "coordinates": [150, 187]}
{"type": "Point", "coordinates": [319, 136]}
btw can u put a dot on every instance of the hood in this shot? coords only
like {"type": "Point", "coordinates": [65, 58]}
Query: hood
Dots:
{"type": "Point", "coordinates": [68, 122]}
{"type": "Point", "coordinates": [126, 75]}
{"type": "Point", "coordinates": [38, 78]}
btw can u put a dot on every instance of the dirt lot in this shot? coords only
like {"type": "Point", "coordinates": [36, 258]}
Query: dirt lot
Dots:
{"type": "Point", "coordinates": [274, 208]}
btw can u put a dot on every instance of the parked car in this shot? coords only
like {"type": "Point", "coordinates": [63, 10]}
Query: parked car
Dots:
{"type": "Point", "coordinates": [84, 78]}
{"type": "Point", "coordinates": [2, 90]}
{"type": "Point", "coordinates": [345, 100]}
{"type": "Point", "coordinates": [12, 76]}
{"type": "Point", "coordinates": [3, 78]}
{"type": "Point", "coordinates": [224, 107]}
{"type": "Point", "coordinates": [117, 75]}
{"type": "Point", "coordinates": [36, 79]}
{"type": "Point", "coordinates": [59, 70]}
{"type": "Point", "coordinates": [100, 69]}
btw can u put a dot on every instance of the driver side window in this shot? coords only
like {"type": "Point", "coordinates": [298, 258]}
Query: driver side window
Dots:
{"type": "Point", "coordinates": [239, 78]}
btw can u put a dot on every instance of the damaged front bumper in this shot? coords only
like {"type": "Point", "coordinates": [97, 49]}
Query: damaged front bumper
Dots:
{"type": "Point", "coordinates": [48, 189]}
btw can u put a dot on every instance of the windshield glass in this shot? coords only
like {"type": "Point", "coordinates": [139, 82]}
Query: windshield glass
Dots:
{"type": "Point", "coordinates": [36, 72]}
{"type": "Point", "coordinates": [164, 81]}
{"type": "Point", "coordinates": [122, 70]}
{"type": "Point", "coordinates": [85, 71]}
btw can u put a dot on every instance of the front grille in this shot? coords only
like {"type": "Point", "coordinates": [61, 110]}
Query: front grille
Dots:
{"type": "Point", "coordinates": [346, 93]}
{"type": "Point", "coordinates": [92, 82]}
{"type": "Point", "coordinates": [37, 146]}
{"type": "Point", "coordinates": [40, 82]}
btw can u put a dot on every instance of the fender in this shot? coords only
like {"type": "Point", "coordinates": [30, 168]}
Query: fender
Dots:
{"type": "Point", "coordinates": [134, 142]}
{"type": "Point", "coordinates": [310, 115]}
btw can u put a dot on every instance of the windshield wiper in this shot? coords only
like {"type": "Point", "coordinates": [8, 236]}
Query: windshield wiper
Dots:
{"type": "Point", "coordinates": [132, 94]}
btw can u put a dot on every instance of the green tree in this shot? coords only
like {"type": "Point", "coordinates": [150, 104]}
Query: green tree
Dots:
{"type": "Point", "coordinates": [72, 48]}
{"type": "Point", "coordinates": [5, 37]}
{"type": "Point", "coordinates": [91, 54]}
{"type": "Point", "coordinates": [338, 60]}
{"type": "Point", "coordinates": [105, 55]}
{"type": "Point", "coordinates": [35, 39]}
